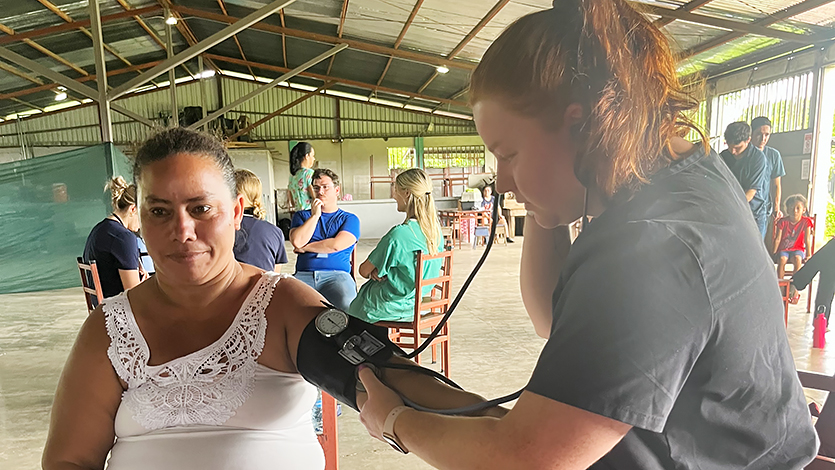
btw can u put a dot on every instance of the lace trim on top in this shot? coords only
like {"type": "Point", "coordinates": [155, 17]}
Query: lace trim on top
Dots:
{"type": "Point", "coordinates": [201, 388]}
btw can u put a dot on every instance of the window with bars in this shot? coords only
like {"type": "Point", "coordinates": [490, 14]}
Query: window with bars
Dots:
{"type": "Point", "coordinates": [786, 102]}
{"type": "Point", "coordinates": [462, 156]}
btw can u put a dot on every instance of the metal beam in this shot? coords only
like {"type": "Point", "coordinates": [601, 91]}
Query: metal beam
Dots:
{"type": "Point", "coordinates": [45, 51]}
{"type": "Point", "coordinates": [105, 121]}
{"type": "Point", "coordinates": [400, 37]}
{"type": "Point", "coordinates": [469, 37]}
{"type": "Point", "coordinates": [786, 13]}
{"type": "Point", "coordinates": [275, 113]}
{"type": "Point", "coordinates": [149, 30]}
{"type": "Point", "coordinates": [338, 32]}
{"type": "Point", "coordinates": [235, 36]}
{"type": "Point", "coordinates": [76, 24]}
{"type": "Point", "coordinates": [283, 38]}
{"type": "Point", "coordinates": [749, 28]}
{"type": "Point", "coordinates": [185, 31]}
{"type": "Point", "coordinates": [172, 74]}
{"type": "Point", "coordinates": [68, 82]}
{"type": "Point", "coordinates": [343, 81]}
{"type": "Point", "coordinates": [201, 46]}
{"type": "Point", "coordinates": [324, 38]}
{"type": "Point", "coordinates": [49, 86]}
{"type": "Point", "coordinates": [689, 6]}
{"type": "Point", "coordinates": [268, 86]}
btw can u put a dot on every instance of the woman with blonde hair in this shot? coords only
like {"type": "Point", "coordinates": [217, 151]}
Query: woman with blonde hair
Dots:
{"type": "Point", "coordinates": [112, 243]}
{"type": "Point", "coordinates": [684, 365]}
{"type": "Point", "coordinates": [389, 295]}
{"type": "Point", "coordinates": [257, 242]}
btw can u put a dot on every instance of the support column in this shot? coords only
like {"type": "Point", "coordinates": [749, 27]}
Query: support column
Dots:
{"type": "Point", "coordinates": [419, 152]}
{"type": "Point", "coordinates": [202, 87]}
{"type": "Point", "coordinates": [821, 153]}
{"type": "Point", "coordinates": [172, 74]}
{"type": "Point", "coordinates": [101, 73]}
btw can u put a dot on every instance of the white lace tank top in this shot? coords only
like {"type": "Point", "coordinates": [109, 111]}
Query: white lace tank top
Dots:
{"type": "Point", "coordinates": [213, 409]}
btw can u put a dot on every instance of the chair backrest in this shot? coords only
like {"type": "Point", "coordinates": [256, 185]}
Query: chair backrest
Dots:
{"type": "Point", "coordinates": [441, 284]}
{"type": "Point", "coordinates": [90, 283]}
{"type": "Point", "coordinates": [825, 425]}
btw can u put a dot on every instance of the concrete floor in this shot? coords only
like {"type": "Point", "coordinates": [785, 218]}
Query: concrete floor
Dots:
{"type": "Point", "coordinates": [494, 350]}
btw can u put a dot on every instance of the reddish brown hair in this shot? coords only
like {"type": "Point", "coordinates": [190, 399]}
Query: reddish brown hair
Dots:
{"type": "Point", "coordinates": [610, 59]}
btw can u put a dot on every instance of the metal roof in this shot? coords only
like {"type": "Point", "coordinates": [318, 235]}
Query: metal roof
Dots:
{"type": "Point", "coordinates": [395, 45]}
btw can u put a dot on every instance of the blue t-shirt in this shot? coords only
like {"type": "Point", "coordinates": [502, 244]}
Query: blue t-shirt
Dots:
{"type": "Point", "coordinates": [775, 169]}
{"type": "Point", "coordinates": [751, 172]}
{"type": "Point", "coordinates": [112, 247]}
{"type": "Point", "coordinates": [329, 225]}
{"type": "Point", "coordinates": [259, 243]}
{"type": "Point", "coordinates": [144, 257]}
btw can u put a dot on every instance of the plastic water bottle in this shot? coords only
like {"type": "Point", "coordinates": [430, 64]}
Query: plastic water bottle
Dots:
{"type": "Point", "coordinates": [819, 333]}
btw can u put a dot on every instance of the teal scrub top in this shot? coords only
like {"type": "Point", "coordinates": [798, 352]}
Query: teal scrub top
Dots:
{"type": "Point", "coordinates": [393, 299]}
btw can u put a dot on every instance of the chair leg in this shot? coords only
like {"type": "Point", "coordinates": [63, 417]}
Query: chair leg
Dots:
{"type": "Point", "coordinates": [809, 297]}
{"type": "Point", "coordinates": [445, 357]}
{"type": "Point", "coordinates": [434, 354]}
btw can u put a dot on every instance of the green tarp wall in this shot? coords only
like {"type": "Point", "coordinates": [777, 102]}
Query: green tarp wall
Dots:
{"type": "Point", "coordinates": [48, 205]}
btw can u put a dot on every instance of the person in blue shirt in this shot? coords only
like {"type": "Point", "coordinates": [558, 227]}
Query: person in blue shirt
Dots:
{"type": "Point", "coordinates": [112, 243]}
{"type": "Point", "coordinates": [324, 237]}
{"type": "Point", "coordinates": [257, 242]}
{"type": "Point", "coordinates": [760, 133]}
{"type": "Point", "coordinates": [748, 165]}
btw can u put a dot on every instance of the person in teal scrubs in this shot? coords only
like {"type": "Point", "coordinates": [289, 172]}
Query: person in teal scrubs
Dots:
{"type": "Point", "coordinates": [389, 294]}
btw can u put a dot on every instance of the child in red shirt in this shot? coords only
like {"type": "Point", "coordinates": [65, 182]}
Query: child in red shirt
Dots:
{"type": "Point", "coordinates": [792, 235]}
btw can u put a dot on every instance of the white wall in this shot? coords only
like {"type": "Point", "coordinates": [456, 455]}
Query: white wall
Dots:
{"type": "Point", "coordinates": [10, 154]}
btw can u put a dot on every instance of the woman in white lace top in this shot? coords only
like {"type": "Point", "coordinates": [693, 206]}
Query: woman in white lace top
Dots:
{"type": "Point", "coordinates": [195, 367]}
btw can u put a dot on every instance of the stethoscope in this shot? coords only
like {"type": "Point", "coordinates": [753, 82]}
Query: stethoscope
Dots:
{"type": "Point", "coordinates": [437, 330]}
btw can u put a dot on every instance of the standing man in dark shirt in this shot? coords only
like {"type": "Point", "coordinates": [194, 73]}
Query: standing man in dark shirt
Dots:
{"type": "Point", "coordinates": [760, 133]}
{"type": "Point", "coordinates": [748, 165]}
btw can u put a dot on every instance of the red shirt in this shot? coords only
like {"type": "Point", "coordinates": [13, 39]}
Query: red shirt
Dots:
{"type": "Point", "coordinates": [792, 236]}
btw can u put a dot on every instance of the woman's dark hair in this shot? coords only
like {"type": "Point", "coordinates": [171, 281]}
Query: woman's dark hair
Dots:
{"type": "Point", "coordinates": [611, 60]}
{"type": "Point", "coordinates": [176, 140]}
{"type": "Point", "coordinates": [297, 154]}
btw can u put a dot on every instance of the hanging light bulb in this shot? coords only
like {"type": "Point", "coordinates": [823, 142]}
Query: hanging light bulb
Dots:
{"type": "Point", "coordinates": [172, 20]}
{"type": "Point", "coordinates": [442, 69]}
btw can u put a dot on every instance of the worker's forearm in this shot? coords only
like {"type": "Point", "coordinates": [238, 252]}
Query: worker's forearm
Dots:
{"type": "Point", "coordinates": [322, 246]}
{"type": "Point", "coordinates": [458, 443]}
{"type": "Point", "coordinates": [749, 195]}
{"type": "Point", "coordinates": [431, 393]}
{"type": "Point", "coordinates": [777, 191]}
{"type": "Point", "coordinates": [302, 234]}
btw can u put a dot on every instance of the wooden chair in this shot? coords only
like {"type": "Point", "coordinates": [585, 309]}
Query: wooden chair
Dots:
{"type": "Point", "coordinates": [329, 439]}
{"type": "Point", "coordinates": [90, 283]}
{"type": "Point", "coordinates": [428, 311]}
{"type": "Point", "coordinates": [790, 272]}
{"type": "Point", "coordinates": [482, 231]}
{"type": "Point", "coordinates": [825, 425]}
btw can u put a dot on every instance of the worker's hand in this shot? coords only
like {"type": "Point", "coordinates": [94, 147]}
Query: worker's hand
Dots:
{"type": "Point", "coordinates": [316, 207]}
{"type": "Point", "coordinates": [778, 214]}
{"type": "Point", "coordinates": [299, 251]}
{"type": "Point", "coordinates": [375, 276]}
{"type": "Point", "coordinates": [376, 403]}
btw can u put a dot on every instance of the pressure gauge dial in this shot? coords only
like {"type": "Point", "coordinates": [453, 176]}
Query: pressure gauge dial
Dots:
{"type": "Point", "coordinates": [331, 322]}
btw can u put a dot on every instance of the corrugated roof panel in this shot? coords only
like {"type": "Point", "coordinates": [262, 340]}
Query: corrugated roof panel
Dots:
{"type": "Point", "coordinates": [725, 53]}
{"type": "Point", "coordinates": [684, 35]}
{"type": "Point", "coordinates": [756, 8]}
{"type": "Point", "coordinates": [440, 24]}
{"type": "Point", "coordinates": [822, 16]}
{"type": "Point", "coordinates": [507, 15]}
{"type": "Point", "coordinates": [377, 20]}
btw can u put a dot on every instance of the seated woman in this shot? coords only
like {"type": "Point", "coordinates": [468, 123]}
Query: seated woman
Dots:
{"type": "Point", "coordinates": [195, 368]}
{"type": "Point", "coordinates": [257, 242]}
{"type": "Point", "coordinates": [389, 295]}
{"type": "Point", "coordinates": [792, 241]}
{"type": "Point", "coordinates": [112, 243]}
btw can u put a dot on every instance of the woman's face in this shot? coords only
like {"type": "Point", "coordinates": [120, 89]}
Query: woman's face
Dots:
{"type": "Point", "coordinates": [188, 218]}
{"type": "Point", "coordinates": [534, 163]}
{"type": "Point", "coordinates": [310, 159]}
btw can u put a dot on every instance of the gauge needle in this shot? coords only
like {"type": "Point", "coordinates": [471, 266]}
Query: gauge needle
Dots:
{"type": "Point", "coordinates": [335, 323]}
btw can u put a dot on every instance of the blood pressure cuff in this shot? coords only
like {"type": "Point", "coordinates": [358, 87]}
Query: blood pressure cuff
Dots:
{"type": "Point", "coordinates": [319, 361]}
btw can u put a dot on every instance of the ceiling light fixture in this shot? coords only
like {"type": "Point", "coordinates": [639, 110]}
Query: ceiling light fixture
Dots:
{"type": "Point", "coordinates": [61, 96]}
{"type": "Point", "coordinates": [442, 69]}
{"type": "Point", "coordinates": [171, 20]}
